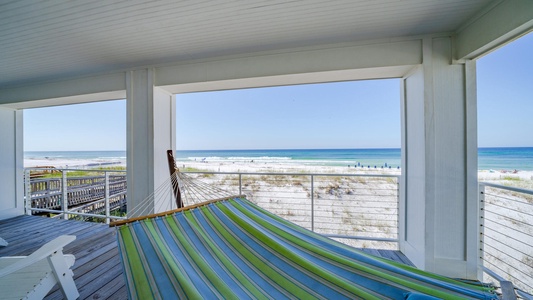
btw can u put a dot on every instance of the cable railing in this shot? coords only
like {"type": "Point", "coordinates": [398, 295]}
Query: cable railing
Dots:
{"type": "Point", "coordinates": [506, 239]}
{"type": "Point", "coordinates": [79, 194]}
{"type": "Point", "coordinates": [359, 209]}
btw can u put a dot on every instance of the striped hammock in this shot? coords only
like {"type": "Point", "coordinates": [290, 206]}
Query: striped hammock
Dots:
{"type": "Point", "coordinates": [233, 249]}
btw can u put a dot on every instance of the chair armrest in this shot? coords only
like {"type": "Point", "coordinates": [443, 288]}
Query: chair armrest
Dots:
{"type": "Point", "coordinates": [41, 253]}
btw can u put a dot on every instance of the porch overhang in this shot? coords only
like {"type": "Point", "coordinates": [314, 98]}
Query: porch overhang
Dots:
{"type": "Point", "coordinates": [55, 53]}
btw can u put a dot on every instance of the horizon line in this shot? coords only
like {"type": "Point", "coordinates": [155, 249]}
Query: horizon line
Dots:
{"type": "Point", "coordinates": [267, 149]}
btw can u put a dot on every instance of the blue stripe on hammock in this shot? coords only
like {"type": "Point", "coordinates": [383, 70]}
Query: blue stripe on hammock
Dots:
{"type": "Point", "coordinates": [347, 273]}
{"type": "Point", "coordinates": [353, 254]}
{"type": "Point", "coordinates": [209, 257]}
{"type": "Point", "coordinates": [306, 281]}
{"type": "Point", "coordinates": [164, 286]}
{"type": "Point", "coordinates": [250, 271]}
{"type": "Point", "coordinates": [229, 213]}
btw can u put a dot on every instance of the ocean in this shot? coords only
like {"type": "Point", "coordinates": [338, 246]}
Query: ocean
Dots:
{"type": "Point", "coordinates": [315, 157]}
{"type": "Point", "coordinates": [489, 158]}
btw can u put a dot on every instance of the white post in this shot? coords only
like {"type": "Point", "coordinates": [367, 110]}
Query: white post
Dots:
{"type": "Point", "coordinates": [106, 197]}
{"type": "Point", "coordinates": [149, 136]}
{"type": "Point", "coordinates": [64, 197]}
{"type": "Point", "coordinates": [312, 203]}
{"type": "Point", "coordinates": [11, 163]}
{"type": "Point", "coordinates": [439, 213]}
{"type": "Point", "coordinates": [27, 193]}
{"type": "Point", "coordinates": [240, 184]}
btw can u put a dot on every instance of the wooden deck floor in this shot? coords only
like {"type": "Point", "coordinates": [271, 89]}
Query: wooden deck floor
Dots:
{"type": "Point", "coordinates": [98, 270]}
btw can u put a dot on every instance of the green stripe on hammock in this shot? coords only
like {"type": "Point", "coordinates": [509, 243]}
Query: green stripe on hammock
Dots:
{"type": "Point", "coordinates": [234, 249]}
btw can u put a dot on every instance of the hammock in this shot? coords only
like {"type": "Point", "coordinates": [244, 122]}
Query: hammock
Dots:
{"type": "Point", "coordinates": [233, 249]}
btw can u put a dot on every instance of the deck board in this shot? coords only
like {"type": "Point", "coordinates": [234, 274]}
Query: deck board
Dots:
{"type": "Point", "coordinates": [98, 270]}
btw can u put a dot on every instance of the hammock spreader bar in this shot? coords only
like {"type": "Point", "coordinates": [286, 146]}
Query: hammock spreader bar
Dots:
{"type": "Point", "coordinates": [232, 249]}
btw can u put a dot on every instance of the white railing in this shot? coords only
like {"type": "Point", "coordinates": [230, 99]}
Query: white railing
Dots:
{"type": "Point", "coordinates": [360, 207]}
{"type": "Point", "coordinates": [93, 195]}
{"type": "Point", "coordinates": [506, 239]}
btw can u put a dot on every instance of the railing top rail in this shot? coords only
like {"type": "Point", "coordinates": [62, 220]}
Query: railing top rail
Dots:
{"type": "Point", "coordinates": [293, 174]}
{"type": "Point", "coordinates": [70, 212]}
{"type": "Point", "coordinates": [509, 188]}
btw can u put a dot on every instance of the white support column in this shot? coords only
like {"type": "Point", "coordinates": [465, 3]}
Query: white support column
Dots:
{"type": "Point", "coordinates": [11, 163]}
{"type": "Point", "coordinates": [439, 207]}
{"type": "Point", "coordinates": [149, 134]}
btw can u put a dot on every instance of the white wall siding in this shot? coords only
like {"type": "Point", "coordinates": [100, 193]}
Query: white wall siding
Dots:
{"type": "Point", "coordinates": [11, 163]}
{"type": "Point", "coordinates": [449, 163]}
{"type": "Point", "coordinates": [439, 215]}
{"type": "Point", "coordinates": [413, 168]}
{"type": "Point", "coordinates": [149, 134]}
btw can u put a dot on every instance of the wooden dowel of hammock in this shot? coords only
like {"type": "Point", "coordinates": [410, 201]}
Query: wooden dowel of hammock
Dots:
{"type": "Point", "coordinates": [173, 169]}
{"type": "Point", "coordinates": [165, 213]}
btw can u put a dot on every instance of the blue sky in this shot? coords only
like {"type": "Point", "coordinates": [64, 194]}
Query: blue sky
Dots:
{"type": "Point", "coordinates": [505, 95]}
{"type": "Point", "coordinates": [362, 114]}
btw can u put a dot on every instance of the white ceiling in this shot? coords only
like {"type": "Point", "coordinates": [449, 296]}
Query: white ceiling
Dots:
{"type": "Point", "coordinates": [50, 40]}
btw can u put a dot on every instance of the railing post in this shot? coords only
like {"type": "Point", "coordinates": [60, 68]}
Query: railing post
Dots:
{"type": "Point", "coordinates": [481, 226]}
{"type": "Point", "coordinates": [27, 198]}
{"type": "Point", "coordinates": [106, 187]}
{"type": "Point", "coordinates": [312, 203]}
{"type": "Point", "coordinates": [64, 199]}
{"type": "Point", "coordinates": [240, 184]}
{"type": "Point", "coordinates": [398, 209]}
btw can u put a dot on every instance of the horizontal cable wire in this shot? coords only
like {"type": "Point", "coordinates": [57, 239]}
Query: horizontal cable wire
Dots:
{"type": "Point", "coordinates": [494, 203]}
{"type": "Point", "coordinates": [491, 254]}
{"type": "Point", "coordinates": [509, 274]}
{"type": "Point", "coordinates": [505, 226]}
{"type": "Point", "coordinates": [506, 245]}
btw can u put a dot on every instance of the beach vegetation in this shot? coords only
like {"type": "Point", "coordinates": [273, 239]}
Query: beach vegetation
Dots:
{"type": "Point", "coordinates": [191, 169]}
{"type": "Point", "coordinates": [228, 180]}
{"type": "Point", "coordinates": [113, 168]}
{"type": "Point", "coordinates": [297, 183]}
{"type": "Point", "coordinates": [392, 180]}
{"type": "Point", "coordinates": [80, 173]}
{"type": "Point", "coordinates": [528, 261]}
{"type": "Point", "coordinates": [53, 173]}
{"type": "Point", "coordinates": [290, 213]}
{"type": "Point", "coordinates": [359, 179]}
{"type": "Point", "coordinates": [333, 189]}
{"type": "Point", "coordinates": [511, 178]}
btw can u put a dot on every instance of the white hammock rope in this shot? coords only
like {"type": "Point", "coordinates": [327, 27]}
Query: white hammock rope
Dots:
{"type": "Point", "coordinates": [161, 198]}
{"type": "Point", "coordinates": [193, 191]}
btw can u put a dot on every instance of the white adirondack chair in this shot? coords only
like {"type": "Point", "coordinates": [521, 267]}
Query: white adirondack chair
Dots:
{"type": "Point", "coordinates": [33, 276]}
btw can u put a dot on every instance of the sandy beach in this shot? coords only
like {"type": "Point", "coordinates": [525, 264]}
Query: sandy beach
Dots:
{"type": "Point", "coordinates": [73, 164]}
{"type": "Point", "coordinates": [251, 167]}
{"type": "Point", "coordinates": [257, 167]}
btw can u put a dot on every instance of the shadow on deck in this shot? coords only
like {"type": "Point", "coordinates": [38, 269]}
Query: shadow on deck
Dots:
{"type": "Point", "coordinates": [98, 270]}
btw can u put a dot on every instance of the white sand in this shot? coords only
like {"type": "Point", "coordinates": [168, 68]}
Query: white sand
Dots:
{"type": "Point", "coordinates": [281, 167]}
{"type": "Point", "coordinates": [255, 167]}
{"type": "Point", "coordinates": [73, 164]}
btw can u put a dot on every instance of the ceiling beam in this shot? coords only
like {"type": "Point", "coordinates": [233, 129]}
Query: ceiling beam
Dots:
{"type": "Point", "coordinates": [292, 62]}
{"type": "Point", "coordinates": [338, 62]}
{"type": "Point", "coordinates": [70, 91]}
{"type": "Point", "coordinates": [494, 27]}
